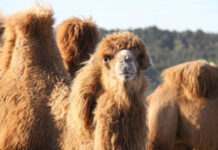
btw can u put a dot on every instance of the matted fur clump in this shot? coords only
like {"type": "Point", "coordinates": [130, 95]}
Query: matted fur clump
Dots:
{"type": "Point", "coordinates": [182, 112]}
{"type": "Point", "coordinates": [34, 83]}
{"type": "Point", "coordinates": [106, 112]}
{"type": "Point", "coordinates": [197, 78]}
{"type": "Point", "coordinates": [76, 39]}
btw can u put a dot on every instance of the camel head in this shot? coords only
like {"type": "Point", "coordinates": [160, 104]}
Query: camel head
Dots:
{"type": "Point", "coordinates": [123, 58]}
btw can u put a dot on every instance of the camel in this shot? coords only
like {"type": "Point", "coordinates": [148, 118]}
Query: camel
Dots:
{"type": "Point", "coordinates": [107, 111]}
{"type": "Point", "coordinates": [183, 109]}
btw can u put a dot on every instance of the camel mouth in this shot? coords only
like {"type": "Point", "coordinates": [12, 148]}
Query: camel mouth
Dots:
{"type": "Point", "coordinates": [126, 76]}
{"type": "Point", "coordinates": [129, 73]}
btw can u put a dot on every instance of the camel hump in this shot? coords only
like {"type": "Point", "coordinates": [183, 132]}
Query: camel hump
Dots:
{"type": "Point", "coordinates": [76, 40]}
{"type": "Point", "coordinates": [198, 79]}
{"type": "Point", "coordinates": [31, 20]}
{"type": "Point", "coordinates": [29, 28]}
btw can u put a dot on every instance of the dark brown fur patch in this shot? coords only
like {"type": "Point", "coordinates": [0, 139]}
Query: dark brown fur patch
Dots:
{"type": "Point", "coordinates": [1, 28]}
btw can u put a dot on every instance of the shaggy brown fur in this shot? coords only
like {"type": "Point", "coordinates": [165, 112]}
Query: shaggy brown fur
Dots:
{"type": "Point", "coordinates": [34, 83]}
{"type": "Point", "coordinates": [185, 107]}
{"type": "Point", "coordinates": [76, 40]}
{"type": "Point", "coordinates": [106, 113]}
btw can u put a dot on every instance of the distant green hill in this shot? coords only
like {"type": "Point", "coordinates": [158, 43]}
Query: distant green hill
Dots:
{"type": "Point", "coordinates": [168, 48]}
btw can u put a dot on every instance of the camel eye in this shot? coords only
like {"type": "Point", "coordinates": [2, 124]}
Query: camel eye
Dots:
{"type": "Point", "coordinates": [107, 58]}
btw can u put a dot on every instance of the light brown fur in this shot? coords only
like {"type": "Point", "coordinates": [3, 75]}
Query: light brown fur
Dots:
{"type": "Point", "coordinates": [104, 113]}
{"type": "Point", "coordinates": [76, 39]}
{"type": "Point", "coordinates": [184, 108]}
{"type": "Point", "coordinates": [34, 84]}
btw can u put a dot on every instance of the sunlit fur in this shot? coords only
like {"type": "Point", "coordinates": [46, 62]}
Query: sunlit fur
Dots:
{"type": "Point", "coordinates": [107, 113]}
{"type": "Point", "coordinates": [76, 39]}
{"type": "Point", "coordinates": [34, 84]}
{"type": "Point", "coordinates": [184, 108]}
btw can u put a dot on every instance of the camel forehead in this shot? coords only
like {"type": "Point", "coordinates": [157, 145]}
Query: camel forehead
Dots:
{"type": "Point", "coordinates": [125, 53]}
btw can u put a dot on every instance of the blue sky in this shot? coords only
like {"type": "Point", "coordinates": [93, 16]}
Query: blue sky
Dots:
{"type": "Point", "coordinates": [177, 15]}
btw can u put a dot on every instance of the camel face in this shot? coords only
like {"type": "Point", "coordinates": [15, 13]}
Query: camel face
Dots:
{"type": "Point", "coordinates": [123, 65]}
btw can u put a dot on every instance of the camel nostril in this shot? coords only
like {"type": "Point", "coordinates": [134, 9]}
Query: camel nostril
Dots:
{"type": "Point", "coordinates": [128, 59]}
{"type": "Point", "coordinates": [125, 68]}
{"type": "Point", "coordinates": [125, 71]}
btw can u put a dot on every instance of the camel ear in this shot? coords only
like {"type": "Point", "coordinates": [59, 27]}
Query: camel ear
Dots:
{"type": "Point", "coordinates": [144, 61]}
